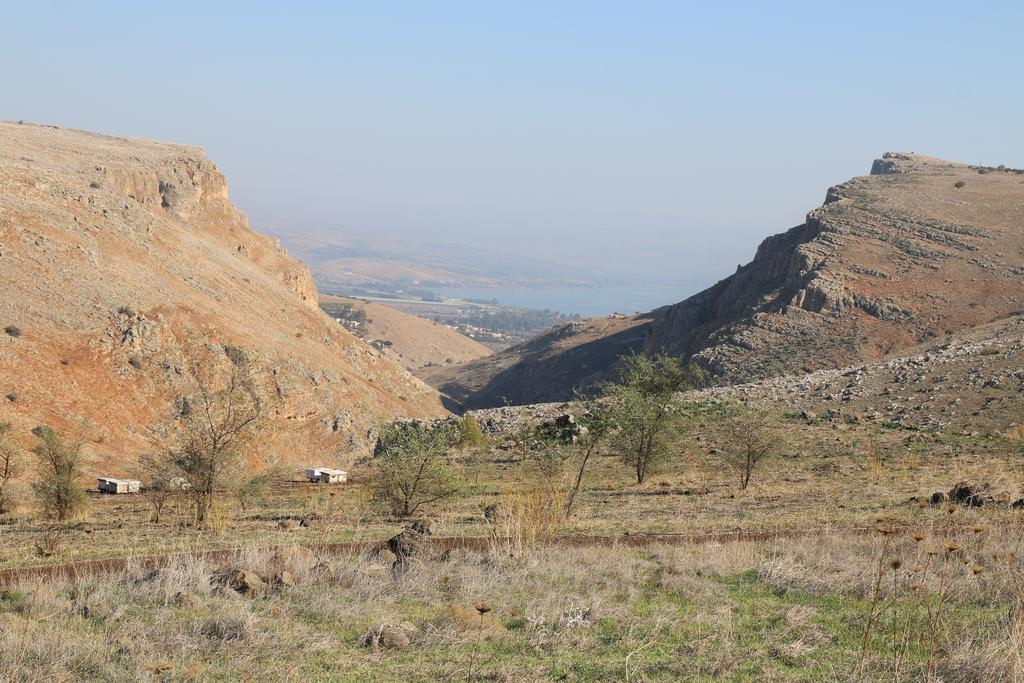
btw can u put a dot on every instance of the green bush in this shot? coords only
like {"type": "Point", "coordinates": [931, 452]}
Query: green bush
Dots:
{"type": "Point", "coordinates": [470, 433]}
{"type": "Point", "coordinates": [57, 485]}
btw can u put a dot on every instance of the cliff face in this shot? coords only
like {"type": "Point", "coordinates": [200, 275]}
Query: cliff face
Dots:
{"type": "Point", "coordinates": [118, 254]}
{"type": "Point", "coordinates": [919, 249]}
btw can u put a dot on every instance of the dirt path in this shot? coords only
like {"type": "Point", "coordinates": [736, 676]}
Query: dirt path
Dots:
{"type": "Point", "coordinates": [83, 569]}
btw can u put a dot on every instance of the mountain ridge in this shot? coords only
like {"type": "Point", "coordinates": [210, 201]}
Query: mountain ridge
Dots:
{"type": "Point", "coordinates": [921, 248]}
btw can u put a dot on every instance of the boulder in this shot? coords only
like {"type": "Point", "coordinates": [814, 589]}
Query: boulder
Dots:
{"type": "Point", "coordinates": [389, 636]}
{"type": "Point", "coordinates": [244, 582]}
{"type": "Point", "coordinates": [964, 493]}
{"type": "Point", "coordinates": [408, 545]}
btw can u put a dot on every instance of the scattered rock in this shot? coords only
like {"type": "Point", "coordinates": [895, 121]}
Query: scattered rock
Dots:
{"type": "Point", "coordinates": [244, 582]}
{"type": "Point", "coordinates": [408, 545]}
{"type": "Point", "coordinates": [389, 636]}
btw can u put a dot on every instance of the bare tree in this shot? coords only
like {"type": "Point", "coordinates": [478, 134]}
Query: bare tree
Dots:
{"type": "Point", "coordinates": [211, 426]}
{"type": "Point", "coordinates": [163, 482]}
{"type": "Point", "coordinates": [594, 426]}
{"type": "Point", "coordinates": [10, 464]}
{"type": "Point", "coordinates": [748, 436]}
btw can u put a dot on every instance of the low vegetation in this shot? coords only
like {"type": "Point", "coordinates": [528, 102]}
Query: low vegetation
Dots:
{"type": "Point", "coordinates": [59, 471]}
{"type": "Point", "coordinates": [641, 408]}
{"type": "Point", "coordinates": [753, 546]}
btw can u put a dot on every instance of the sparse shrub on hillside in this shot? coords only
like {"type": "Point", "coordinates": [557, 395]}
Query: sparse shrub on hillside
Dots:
{"type": "Point", "coordinates": [162, 480]}
{"type": "Point", "coordinates": [470, 433]}
{"type": "Point", "coordinates": [958, 184]}
{"type": "Point", "coordinates": [12, 331]}
{"type": "Point", "coordinates": [50, 543]}
{"type": "Point", "coordinates": [253, 489]}
{"type": "Point", "coordinates": [640, 408]}
{"type": "Point", "coordinates": [412, 468]}
{"type": "Point", "coordinates": [748, 436]}
{"type": "Point", "coordinates": [10, 465]}
{"type": "Point", "coordinates": [57, 486]}
{"type": "Point", "coordinates": [210, 427]}
{"type": "Point", "coordinates": [135, 362]}
{"type": "Point", "coordinates": [594, 428]}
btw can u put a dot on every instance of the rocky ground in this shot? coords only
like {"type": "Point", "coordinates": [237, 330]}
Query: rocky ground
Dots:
{"type": "Point", "coordinates": [972, 382]}
{"type": "Point", "coordinates": [967, 383]}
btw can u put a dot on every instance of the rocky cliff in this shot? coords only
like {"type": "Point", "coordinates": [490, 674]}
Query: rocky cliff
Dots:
{"type": "Point", "coordinates": [918, 249]}
{"type": "Point", "coordinates": [116, 254]}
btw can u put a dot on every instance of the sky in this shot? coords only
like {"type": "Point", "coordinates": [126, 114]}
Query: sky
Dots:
{"type": "Point", "coordinates": [655, 140]}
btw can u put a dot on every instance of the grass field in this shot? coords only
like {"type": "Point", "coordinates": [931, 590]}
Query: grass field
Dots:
{"type": "Point", "coordinates": [792, 579]}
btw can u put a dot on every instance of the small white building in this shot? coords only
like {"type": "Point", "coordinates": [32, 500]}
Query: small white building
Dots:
{"type": "Point", "coordinates": [110, 485]}
{"type": "Point", "coordinates": [326, 475]}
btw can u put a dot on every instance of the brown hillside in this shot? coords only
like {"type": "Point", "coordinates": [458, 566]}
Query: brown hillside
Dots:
{"type": "Point", "coordinates": [416, 343]}
{"type": "Point", "coordinates": [116, 252]}
{"type": "Point", "coordinates": [548, 367]}
{"type": "Point", "coordinates": [919, 249]}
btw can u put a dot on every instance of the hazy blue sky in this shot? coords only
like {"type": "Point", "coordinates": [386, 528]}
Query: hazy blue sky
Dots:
{"type": "Point", "coordinates": [664, 138]}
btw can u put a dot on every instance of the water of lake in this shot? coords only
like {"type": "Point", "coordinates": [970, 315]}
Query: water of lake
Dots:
{"type": "Point", "coordinates": [587, 301]}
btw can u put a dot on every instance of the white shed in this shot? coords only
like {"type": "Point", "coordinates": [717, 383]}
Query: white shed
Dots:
{"type": "Point", "coordinates": [110, 485]}
{"type": "Point", "coordinates": [326, 475]}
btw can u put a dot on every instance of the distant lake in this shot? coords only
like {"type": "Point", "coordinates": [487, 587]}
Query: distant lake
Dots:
{"type": "Point", "coordinates": [587, 301]}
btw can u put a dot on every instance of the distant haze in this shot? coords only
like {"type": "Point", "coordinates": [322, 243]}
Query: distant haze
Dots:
{"type": "Point", "coordinates": [657, 141]}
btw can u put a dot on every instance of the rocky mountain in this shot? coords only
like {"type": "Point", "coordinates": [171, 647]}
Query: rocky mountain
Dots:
{"type": "Point", "coordinates": [919, 249]}
{"type": "Point", "coordinates": [116, 255]}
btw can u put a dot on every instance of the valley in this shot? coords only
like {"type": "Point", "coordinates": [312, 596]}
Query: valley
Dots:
{"type": "Point", "coordinates": [776, 478]}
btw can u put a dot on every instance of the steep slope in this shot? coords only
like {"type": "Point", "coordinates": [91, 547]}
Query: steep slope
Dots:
{"type": "Point", "coordinates": [548, 367]}
{"type": "Point", "coordinates": [919, 249]}
{"type": "Point", "coordinates": [415, 343]}
{"type": "Point", "coordinates": [117, 254]}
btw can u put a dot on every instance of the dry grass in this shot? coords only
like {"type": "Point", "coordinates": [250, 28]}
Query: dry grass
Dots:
{"type": "Point", "coordinates": [800, 607]}
{"type": "Point", "coordinates": [781, 610]}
